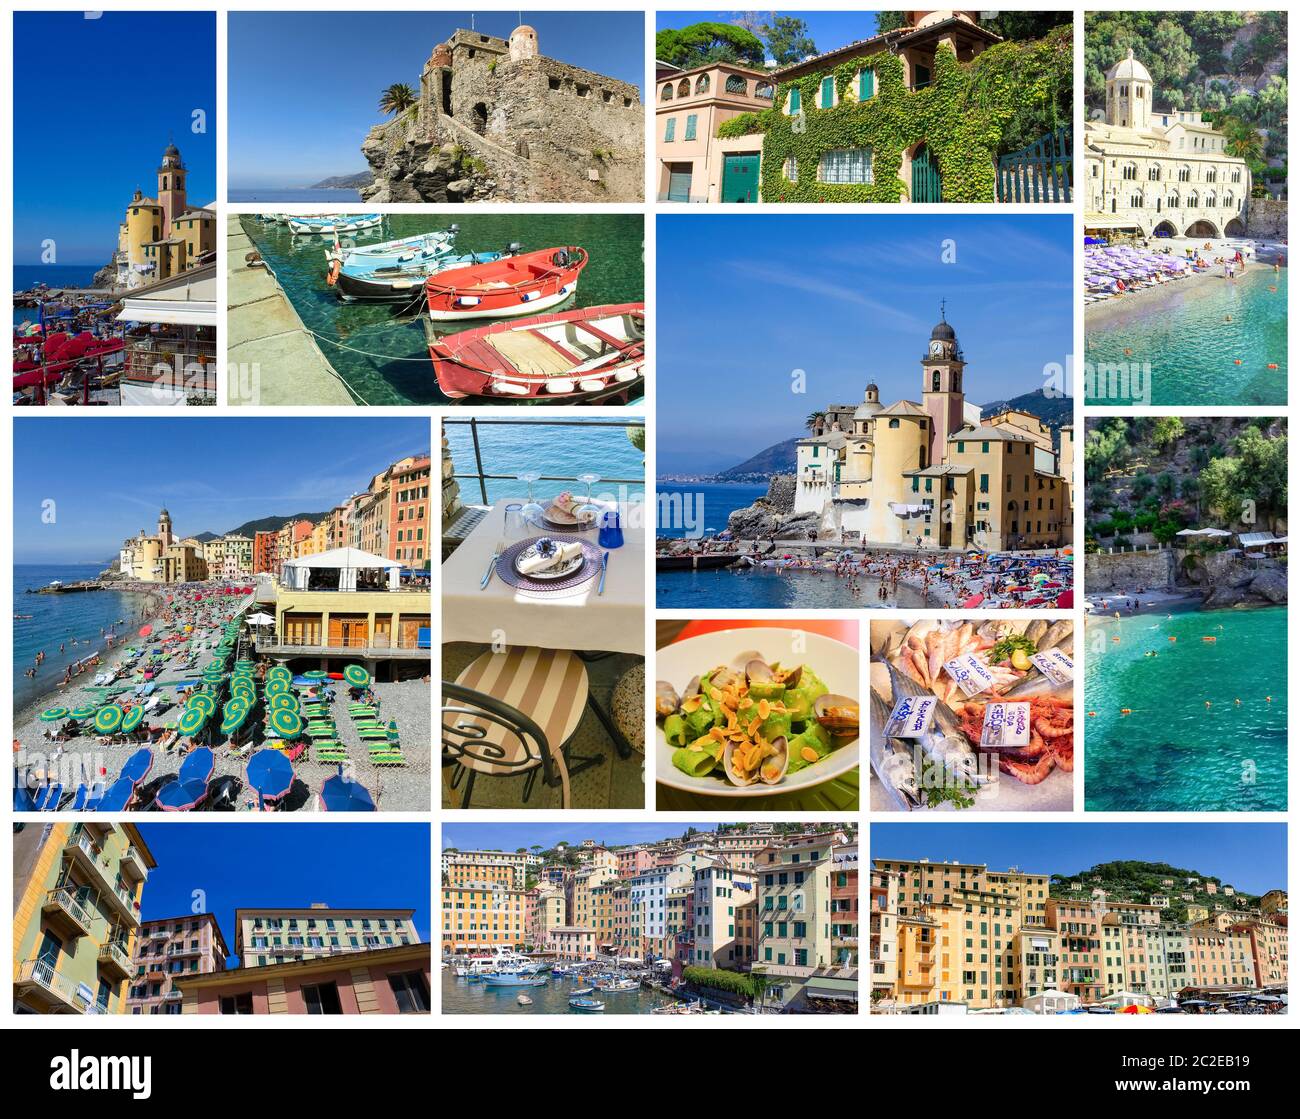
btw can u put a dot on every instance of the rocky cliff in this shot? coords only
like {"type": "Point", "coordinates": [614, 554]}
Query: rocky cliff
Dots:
{"type": "Point", "coordinates": [1231, 579]}
{"type": "Point", "coordinates": [772, 516]}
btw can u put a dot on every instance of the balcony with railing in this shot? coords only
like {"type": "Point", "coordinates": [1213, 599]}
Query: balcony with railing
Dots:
{"type": "Point", "coordinates": [133, 864]}
{"type": "Point", "coordinates": [41, 982]}
{"type": "Point", "coordinates": [86, 853]}
{"type": "Point", "coordinates": [115, 959]}
{"type": "Point", "coordinates": [64, 911]}
{"type": "Point", "coordinates": [177, 357]}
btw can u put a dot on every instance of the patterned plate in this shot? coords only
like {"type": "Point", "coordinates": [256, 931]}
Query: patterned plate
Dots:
{"type": "Point", "coordinates": [506, 569]}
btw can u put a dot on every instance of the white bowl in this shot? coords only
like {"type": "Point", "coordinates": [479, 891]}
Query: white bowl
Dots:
{"type": "Point", "coordinates": [835, 662]}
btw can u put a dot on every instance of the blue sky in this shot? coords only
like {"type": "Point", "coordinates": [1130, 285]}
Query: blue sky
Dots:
{"type": "Point", "coordinates": [744, 299]}
{"type": "Point", "coordinates": [508, 837]}
{"type": "Point", "coordinates": [92, 117]}
{"type": "Point", "coordinates": [304, 86]}
{"type": "Point", "coordinates": [1251, 857]}
{"type": "Point", "coordinates": [109, 476]}
{"type": "Point", "coordinates": [827, 29]}
{"type": "Point", "coordinates": [234, 866]}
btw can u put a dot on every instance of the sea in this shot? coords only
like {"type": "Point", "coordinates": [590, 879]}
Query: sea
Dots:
{"type": "Point", "coordinates": [459, 996]}
{"type": "Point", "coordinates": [54, 275]}
{"type": "Point", "coordinates": [1173, 753]}
{"type": "Point", "coordinates": [701, 508]}
{"type": "Point", "coordinates": [298, 194]}
{"type": "Point", "coordinates": [1210, 344]}
{"type": "Point", "coordinates": [380, 349]}
{"type": "Point", "coordinates": [512, 448]}
{"type": "Point", "coordinates": [62, 619]}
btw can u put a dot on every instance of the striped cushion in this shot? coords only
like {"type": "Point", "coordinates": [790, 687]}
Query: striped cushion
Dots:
{"type": "Point", "coordinates": [547, 685]}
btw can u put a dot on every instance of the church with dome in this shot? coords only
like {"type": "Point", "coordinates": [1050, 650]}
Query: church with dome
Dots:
{"type": "Point", "coordinates": [1158, 172]}
{"type": "Point", "coordinates": [934, 472]}
{"type": "Point", "coordinates": [163, 236]}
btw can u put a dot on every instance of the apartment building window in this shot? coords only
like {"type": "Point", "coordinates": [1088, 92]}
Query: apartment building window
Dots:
{"type": "Point", "coordinates": [322, 998]}
{"type": "Point", "coordinates": [410, 991]}
{"type": "Point", "coordinates": [237, 1004]}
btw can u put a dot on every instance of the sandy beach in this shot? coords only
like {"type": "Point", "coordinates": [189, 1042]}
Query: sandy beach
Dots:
{"type": "Point", "coordinates": [1136, 303]}
{"type": "Point", "coordinates": [87, 757]}
{"type": "Point", "coordinates": [1107, 604]}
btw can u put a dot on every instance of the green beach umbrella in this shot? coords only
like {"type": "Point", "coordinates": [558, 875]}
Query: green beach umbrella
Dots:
{"type": "Point", "coordinates": [279, 674]}
{"type": "Point", "coordinates": [316, 674]}
{"type": "Point", "coordinates": [286, 723]}
{"type": "Point", "coordinates": [85, 712]}
{"type": "Point", "coordinates": [54, 714]}
{"type": "Point", "coordinates": [232, 719]}
{"type": "Point", "coordinates": [282, 699]}
{"type": "Point", "coordinates": [215, 667]}
{"type": "Point", "coordinates": [277, 687]}
{"type": "Point", "coordinates": [192, 720]}
{"type": "Point", "coordinates": [202, 701]}
{"type": "Point", "coordinates": [132, 719]}
{"type": "Point", "coordinates": [108, 719]}
{"type": "Point", "coordinates": [357, 676]}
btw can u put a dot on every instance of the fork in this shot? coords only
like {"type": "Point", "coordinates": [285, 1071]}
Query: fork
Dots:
{"type": "Point", "coordinates": [492, 564]}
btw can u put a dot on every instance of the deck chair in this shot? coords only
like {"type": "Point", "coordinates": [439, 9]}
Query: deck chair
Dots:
{"type": "Point", "coordinates": [50, 801]}
{"type": "Point", "coordinates": [79, 799]}
{"type": "Point", "coordinates": [94, 796]}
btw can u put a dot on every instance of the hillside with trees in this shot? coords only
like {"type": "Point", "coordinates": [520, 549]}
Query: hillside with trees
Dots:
{"type": "Point", "coordinates": [1135, 881]}
{"type": "Point", "coordinates": [1231, 65]}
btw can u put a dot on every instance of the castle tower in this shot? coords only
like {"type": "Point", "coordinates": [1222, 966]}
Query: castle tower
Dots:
{"type": "Point", "coordinates": [165, 529]}
{"type": "Point", "coordinates": [171, 187]}
{"type": "Point", "coordinates": [523, 43]}
{"type": "Point", "coordinates": [941, 391]}
{"type": "Point", "coordinates": [867, 410]}
{"type": "Point", "coordinates": [1128, 94]}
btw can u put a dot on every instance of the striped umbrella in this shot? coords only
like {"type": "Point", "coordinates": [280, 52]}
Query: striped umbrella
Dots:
{"type": "Point", "coordinates": [85, 712]}
{"type": "Point", "coordinates": [192, 720]}
{"type": "Point", "coordinates": [277, 686]}
{"type": "Point", "coordinates": [357, 676]}
{"type": "Point", "coordinates": [286, 723]}
{"type": "Point", "coordinates": [232, 718]}
{"type": "Point", "coordinates": [202, 701]}
{"type": "Point", "coordinates": [54, 714]}
{"type": "Point", "coordinates": [316, 674]}
{"type": "Point", "coordinates": [132, 719]}
{"type": "Point", "coordinates": [282, 699]}
{"type": "Point", "coordinates": [108, 719]}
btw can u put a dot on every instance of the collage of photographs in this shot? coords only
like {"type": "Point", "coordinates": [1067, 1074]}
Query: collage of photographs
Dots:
{"type": "Point", "coordinates": [996, 440]}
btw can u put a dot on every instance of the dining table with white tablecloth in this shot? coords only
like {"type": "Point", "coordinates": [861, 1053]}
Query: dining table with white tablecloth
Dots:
{"type": "Point", "coordinates": [577, 618]}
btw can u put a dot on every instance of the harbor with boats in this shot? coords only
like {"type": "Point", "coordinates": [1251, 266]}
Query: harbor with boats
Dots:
{"type": "Point", "coordinates": [408, 309]}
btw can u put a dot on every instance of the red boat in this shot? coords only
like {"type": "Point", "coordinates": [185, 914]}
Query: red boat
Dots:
{"type": "Point", "coordinates": [514, 285]}
{"type": "Point", "coordinates": [592, 355]}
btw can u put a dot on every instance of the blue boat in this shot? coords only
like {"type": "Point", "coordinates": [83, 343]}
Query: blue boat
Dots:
{"type": "Point", "coordinates": [514, 979]}
{"type": "Point", "coordinates": [398, 280]}
{"type": "Point", "coordinates": [401, 250]}
{"type": "Point", "coordinates": [333, 223]}
{"type": "Point", "coordinates": [588, 1006]}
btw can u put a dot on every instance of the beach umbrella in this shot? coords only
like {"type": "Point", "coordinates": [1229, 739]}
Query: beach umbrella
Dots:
{"type": "Point", "coordinates": [192, 720]}
{"type": "Point", "coordinates": [232, 718]}
{"type": "Point", "coordinates": [357, 676]}
{"type": "Point", "coordinates": [181, 796]}
{"type": "Point", "coordinates": [136, 768]}
{"type": "Point", "coordinates": [86, 711]}
{"type": "Point", "coordinates": [202, 701]}
{"type": "Point", "coordinates": [108, 719]}
{"type": "Point", "coordinates": [316, 674]}
{"type": "Point", "coordinates": [343, 794]}
{"type": "Point", "coordinates": [54, 714]}
{"type": "Point", "coordinates": [270, 773]}
{"type": "Point", "coordinates": [198, 765]}
{"type": "Point", "coordinates": [286, 723]}
{"type": "Point", "coordinates": [132, 719]}
{"type": "Point", "coordinates": [283, 702]}
{"type": "Point", "coordinates": [278, 686]}
{"type": "Point", "coordinates": [146, 630]}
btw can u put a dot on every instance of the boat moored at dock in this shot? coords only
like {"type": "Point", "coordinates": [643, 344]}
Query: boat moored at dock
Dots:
{"type": "Point", "coordinates": [518, 285]}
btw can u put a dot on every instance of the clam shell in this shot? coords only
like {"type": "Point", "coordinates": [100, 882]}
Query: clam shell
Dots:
{"type": "Point", "coordinates": [728, 755]}
{"type": "Point", "coordinates": [837, 713]}
{"type": "Point", "coordinates": [771, 771]}
{"type": "Point", "coordinates": [666, 699]}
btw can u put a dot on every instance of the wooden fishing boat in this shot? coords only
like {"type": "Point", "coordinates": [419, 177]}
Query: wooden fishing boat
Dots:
{"type": "Point", "coordinates": [334, 223]}
{"type": "Point", "coordinates": [395, 279]}
{"type": "Point", "coordinates": [591, 355]}
{"type": "Point", "coordinates": [401, 250]}
{"type": "Point", "coordinates": [518, 285]}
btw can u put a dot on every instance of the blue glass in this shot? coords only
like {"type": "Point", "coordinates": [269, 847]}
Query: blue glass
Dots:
{"type": "Point", "coordinates": [611, 530]}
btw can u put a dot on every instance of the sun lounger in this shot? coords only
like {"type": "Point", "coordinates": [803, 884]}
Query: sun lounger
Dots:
{"type": "Point", "coordinates": [95, 796]}
{"type": "Point", "coordinates": [49, 802]}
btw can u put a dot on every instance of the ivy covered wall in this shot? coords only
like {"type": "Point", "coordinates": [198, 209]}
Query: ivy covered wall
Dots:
{"type": "Point", "coordinates": [964, 117]}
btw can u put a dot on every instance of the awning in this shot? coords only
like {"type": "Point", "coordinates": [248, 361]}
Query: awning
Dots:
{"type": "Point", "coordinates": [842, 990]}
{"type": "Point", "coordinates": [1256, 539]}
{"type": "Point", "coordinates": [169, 312]}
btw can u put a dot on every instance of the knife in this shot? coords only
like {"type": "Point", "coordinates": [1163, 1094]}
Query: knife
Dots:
{"type": "Point", "coordinates": [604, 566]}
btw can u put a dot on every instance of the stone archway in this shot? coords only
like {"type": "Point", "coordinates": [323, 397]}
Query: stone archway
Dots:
{"type": "Point", "coordinates": [1166, 227]}
{"type": "Point", "coordinates": [1202, 228]}
{"type": "Point", "coordinates": [1235, 228]}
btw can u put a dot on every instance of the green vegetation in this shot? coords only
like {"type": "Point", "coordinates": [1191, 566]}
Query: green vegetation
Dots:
{"type": "Point", "coordinates": [702, 43]}
{"type": "Point", "coordinates": [786, 38]}
{"type": "Point", "coordinates": [396, 98]}
{"type": "Point", "coordinates": [715, 979]}
{"type": "Point", "coordinates": [1131, 880]}
{"type": "Point", "coordinates": [966, 117]}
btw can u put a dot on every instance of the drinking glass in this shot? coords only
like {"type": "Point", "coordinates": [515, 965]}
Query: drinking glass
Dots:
{"type": "Point", "coordinates": [611, 530]}
{"type": "Point", "coordinates": [532, 510]}
{"type": "Point", "coordinates": [587, 510]}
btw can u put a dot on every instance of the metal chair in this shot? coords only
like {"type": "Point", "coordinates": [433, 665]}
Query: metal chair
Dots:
{"type": "Point", "coordinates": [514, 713]}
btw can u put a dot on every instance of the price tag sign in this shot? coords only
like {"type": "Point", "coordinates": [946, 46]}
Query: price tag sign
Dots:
{"type": "Point", "coordinates": [1006, 726]}
{"type": "Point", "coordinates": [970, 674]}
{"type": "Point", "coordinates": [911, 717]}
{"type": "Point", "coordinates": [1055, 665]}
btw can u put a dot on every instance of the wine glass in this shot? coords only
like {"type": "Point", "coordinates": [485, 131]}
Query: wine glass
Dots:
{"type": "Point", "coordinates": [587, 512]}
{"type": "Point", "coordinates": [531, 510]}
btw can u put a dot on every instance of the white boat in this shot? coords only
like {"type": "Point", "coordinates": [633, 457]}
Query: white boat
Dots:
{"type": "Point", "coordinates": [334, 223]}
{"type": "Point", "coordinates": [419, 248]}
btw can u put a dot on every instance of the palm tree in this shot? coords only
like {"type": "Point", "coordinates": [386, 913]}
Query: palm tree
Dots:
{"type": "Point", "coordinates": [1243, 141]}
{"type": "Point", "coordinates": [396, 98]}
{"type": "Point", "coordinates": [814, 420]}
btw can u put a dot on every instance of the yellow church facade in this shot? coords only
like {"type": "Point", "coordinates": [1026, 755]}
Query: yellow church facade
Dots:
{"type": "Point", "coordinates": [163, 236]}
{"type": "Point", "coordinates": [934, 473]}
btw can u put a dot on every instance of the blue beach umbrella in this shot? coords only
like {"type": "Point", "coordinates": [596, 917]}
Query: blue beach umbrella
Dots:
{"type": "Point", "coordinates": [343, 794]}
{"type": "Point", "coordinates": [136, 768]}
{"type": "Point", "coordinates": [270, 773]}
{"type": "Point", "coordinates": [181, 796]}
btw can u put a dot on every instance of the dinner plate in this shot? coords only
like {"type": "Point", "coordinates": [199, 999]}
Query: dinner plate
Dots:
{"type": "Point", "coordinates": [833, 661]}
{"type": "Point", "coordinates": [558, 572]}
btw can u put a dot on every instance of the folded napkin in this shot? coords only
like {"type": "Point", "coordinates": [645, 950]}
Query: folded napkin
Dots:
{"type": "Point", "coordinates": [565, 506]}
{"type": "Point", "coordinates": [532, 563]}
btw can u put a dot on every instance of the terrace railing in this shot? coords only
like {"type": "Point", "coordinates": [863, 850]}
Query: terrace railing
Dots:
{"type": "Point", "coordinates": [482, 477]}
{"type": "Point", "coordinates": [1041, 172]}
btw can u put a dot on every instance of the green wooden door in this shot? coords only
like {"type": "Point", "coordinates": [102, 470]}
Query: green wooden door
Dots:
{"type": "Point", "coordinates": [926, 184]}
{"type": "Point", "coordinates": [740, 178]}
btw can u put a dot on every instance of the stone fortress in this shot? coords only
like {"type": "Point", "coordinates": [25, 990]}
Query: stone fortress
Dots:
{"type": "Point", "coordinates": [497, 120]}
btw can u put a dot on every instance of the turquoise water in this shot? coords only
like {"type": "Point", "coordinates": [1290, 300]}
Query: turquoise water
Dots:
{"type": "Point", "coordinates": [386, 359]}
{"type": "Point", "coordinates": [1173, 754]}
{"type": "Point", "coordinates": [1192, 347]}
{"type": "Point", "coordinates": [756, 588]}
{"type": "Point", "coordinates": [459, 996]}
{"type": "Point", "coordinates": [62, 619]}
{"type": "Point", "coordinates": [562, 451]}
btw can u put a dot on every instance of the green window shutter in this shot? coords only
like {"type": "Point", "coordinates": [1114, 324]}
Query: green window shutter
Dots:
{"type": "Point", "coordinates": [690, 127]}
{"type": "Point", "coordinates": [828, 92]}
{"type": "Point", "coordinates": [670, 129]}
{"type": "Point", "coordinates": [794, 101]}
{"type": "Point", "coordinates": [866, 85]}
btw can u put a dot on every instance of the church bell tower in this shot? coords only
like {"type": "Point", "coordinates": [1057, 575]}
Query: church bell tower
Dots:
{"type": "Point", "coordinates": [941, 387]}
